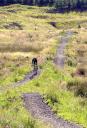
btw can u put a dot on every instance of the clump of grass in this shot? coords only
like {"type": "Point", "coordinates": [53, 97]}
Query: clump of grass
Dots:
{"type": "Point", "coordinates": [51, 98]}
{"type": "Point", "coordinates": [71, 62]}
{"type": "Point", "coordinates": [78, 86]}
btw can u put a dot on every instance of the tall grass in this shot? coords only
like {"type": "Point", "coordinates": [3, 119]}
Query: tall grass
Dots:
{"type": "Point", "coordinates": [38, 39]}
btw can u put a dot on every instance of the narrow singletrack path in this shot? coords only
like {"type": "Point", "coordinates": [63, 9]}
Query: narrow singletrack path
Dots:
{"type": "Point", "coordinates": [29, 76]}
{"type": "Point", "coordinates": [35, 104]}
{"type": "Point", "coordinates": [60, 57]}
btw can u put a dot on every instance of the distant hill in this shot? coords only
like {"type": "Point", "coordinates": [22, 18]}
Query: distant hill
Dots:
{"type": "Point", "coordinates": [59, 4]}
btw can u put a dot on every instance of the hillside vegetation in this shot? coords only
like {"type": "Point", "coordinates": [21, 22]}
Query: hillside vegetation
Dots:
{"type": "Point", "coordinates": [27, 32]}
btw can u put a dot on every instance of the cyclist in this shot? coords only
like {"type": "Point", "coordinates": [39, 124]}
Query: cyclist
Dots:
{"type": "Point", "coordinates": [35, 64]}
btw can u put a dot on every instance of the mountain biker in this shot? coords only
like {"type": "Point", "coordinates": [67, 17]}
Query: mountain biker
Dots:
{"type": "Point", "coordinates": [35, 64]}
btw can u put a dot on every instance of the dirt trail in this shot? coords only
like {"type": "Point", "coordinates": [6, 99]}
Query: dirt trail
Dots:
{"type": "Point", "coordinates": [29, 76]}
{"type": "Point", "coordinates": [60, 57]}
{"type": "Point", "coordinates": [59, 60]}
{"type": "Point", "coordinates": [34, 102]}
{"type": "Point", "coordinates": [35, 105]}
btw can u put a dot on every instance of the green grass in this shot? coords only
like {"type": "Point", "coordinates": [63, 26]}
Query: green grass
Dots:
{"type": "Point", "coordinates": [13, 114]}
{"type": "Point", "coordinates": [17, 75]}
{"type": "Point", "coordinates": [30, 36]}
{"type": "Point", "coordinates": [52, 85]}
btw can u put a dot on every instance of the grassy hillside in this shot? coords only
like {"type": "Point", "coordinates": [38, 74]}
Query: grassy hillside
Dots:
{"type": "Point", "coordinates": [27, 32]}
